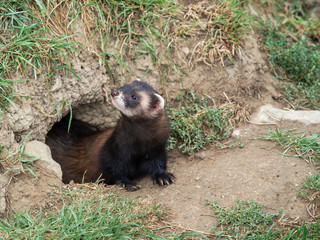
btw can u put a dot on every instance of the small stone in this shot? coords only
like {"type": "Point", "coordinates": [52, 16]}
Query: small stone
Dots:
{"type": "Point", "coordinates": [236, 133]}
{"type": "Point", "coordinates": [269, 114]}
{"type": "Point", "coordinates": [41, 151]}
{"type": "Point", "coordinates": [200, 155]}
{"type": "Point", "coordinates": [186, 50]}
{"type": "Point", "coordinates": [57, 85]}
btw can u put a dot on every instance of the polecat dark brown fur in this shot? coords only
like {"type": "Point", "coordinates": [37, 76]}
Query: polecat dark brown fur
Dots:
{"type": "Point", "coordinates": [134, 148]}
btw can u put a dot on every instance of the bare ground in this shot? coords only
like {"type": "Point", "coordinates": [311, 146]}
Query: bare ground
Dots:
{"type": "Point", "coordinates": [256, 171]}
{"type": "Point", "coordinates": [248, 173]}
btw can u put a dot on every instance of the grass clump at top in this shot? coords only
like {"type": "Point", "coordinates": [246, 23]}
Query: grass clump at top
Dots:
{"type": "Point", "coordinates": [296, 144]}
{"type": "Point", "coordinates": [130, 27]}
{"type": "Point", "coordinates": [27, 45]}
{"type": "Point", "coordinates": [86, 211]}
{"type": "Point", "coordinates": [195, 123]}
{"type": "Point", "coordinates": [29, 48]}
{"type": "Point", "coordinates": [154, 27]}
{"type": "Point", "coordinates": [292, 40]}
{"type": "Point", "coordinates": [38, 38]}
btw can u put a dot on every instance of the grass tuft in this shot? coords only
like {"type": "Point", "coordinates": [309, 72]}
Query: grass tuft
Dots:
{"type": "Point", "coordinates": [6, 92]}
{"type": "Point", "coordinates": [311, 192]}
{"type": "Point", "coordinates": [17, 161]}
{"type": "Point", "coordinates": [296, 144]}
{"type": "Point", "coordinates": [311, 187]}
{"type": "Point", "coordinates": [248, 220]}
{"type": "Point", "coordinates": [292, 39]}
{"type": "Point", "coordinates": [244, 220]}
{"type": "Point", "coordinates": [87, 211]}
{"type": "Point", "coordinates": [195, 123]}
{"type": "Point", "coordinates": [299, 62]}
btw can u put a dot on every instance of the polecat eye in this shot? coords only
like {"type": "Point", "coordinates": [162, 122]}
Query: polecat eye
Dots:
{"type": "Point", "coordinates": [134, 97]}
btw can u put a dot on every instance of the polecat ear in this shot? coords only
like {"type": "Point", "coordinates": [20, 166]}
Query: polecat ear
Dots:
{"type": "Point", "coordinates": [158, 103]}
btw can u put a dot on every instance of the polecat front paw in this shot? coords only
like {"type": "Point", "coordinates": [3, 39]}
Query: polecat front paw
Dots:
{"type": "Point", "coordinates": [129, 186]}
{"type": "Point", "coordinates": [164, 178]}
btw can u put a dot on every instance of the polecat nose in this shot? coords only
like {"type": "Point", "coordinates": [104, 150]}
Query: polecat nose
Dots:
{"type": "Point", "coordinates": [114, 92]}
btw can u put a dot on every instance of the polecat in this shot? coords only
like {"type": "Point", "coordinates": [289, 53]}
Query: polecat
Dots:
{"type": "Point", "coordinates": [135, 147]}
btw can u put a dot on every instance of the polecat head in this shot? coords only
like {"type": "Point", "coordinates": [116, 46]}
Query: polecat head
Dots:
{"type": "Point", "coordinates": [138, 100]}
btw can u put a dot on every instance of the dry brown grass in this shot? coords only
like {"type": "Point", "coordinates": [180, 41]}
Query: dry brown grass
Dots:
{"type": "Point", "coordinates": [218, 27]}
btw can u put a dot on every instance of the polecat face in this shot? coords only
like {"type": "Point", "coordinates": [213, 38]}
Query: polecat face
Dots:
{"type": "Point", "coordinates": [137, 100]}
